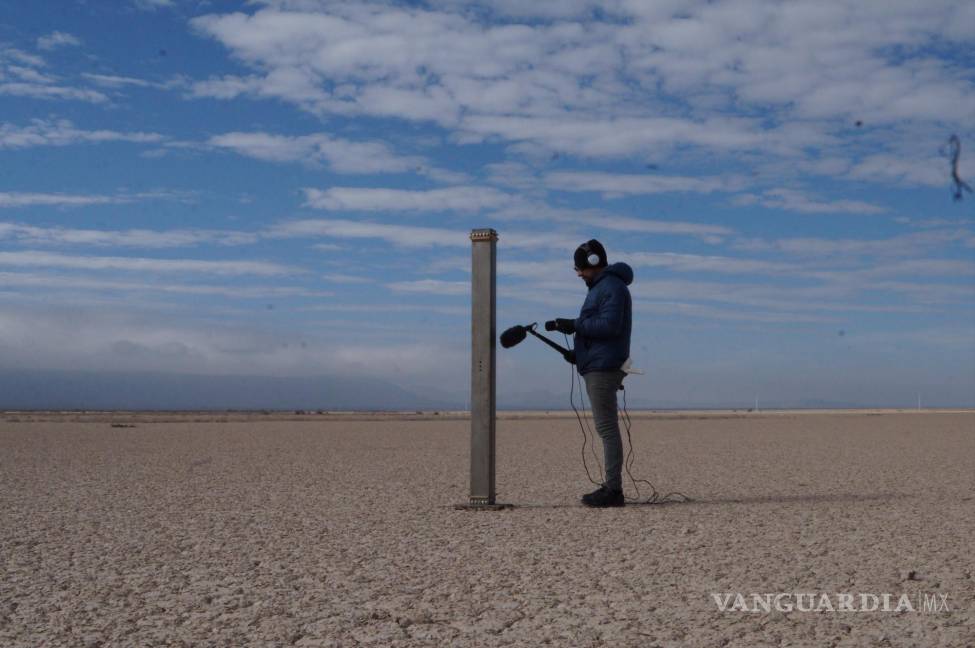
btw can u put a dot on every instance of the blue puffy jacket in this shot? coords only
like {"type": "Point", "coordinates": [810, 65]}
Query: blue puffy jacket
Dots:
{"type": "Point", "coordinates": [602, 341]}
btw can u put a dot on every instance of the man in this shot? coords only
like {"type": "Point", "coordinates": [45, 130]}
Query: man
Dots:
{"type": "Point", "coordinates": [602, 346]}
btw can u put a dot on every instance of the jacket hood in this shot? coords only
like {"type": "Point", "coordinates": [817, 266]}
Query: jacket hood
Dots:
{"type": "Point", "coordinates": [621, 270]}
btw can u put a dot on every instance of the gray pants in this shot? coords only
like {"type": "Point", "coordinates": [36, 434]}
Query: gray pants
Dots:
{"type": "Point", "coordinates": [602, 387]}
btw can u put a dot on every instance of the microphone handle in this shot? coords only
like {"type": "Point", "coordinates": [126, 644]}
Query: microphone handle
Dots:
{"type": "Point", "coordinates": [549, 342]}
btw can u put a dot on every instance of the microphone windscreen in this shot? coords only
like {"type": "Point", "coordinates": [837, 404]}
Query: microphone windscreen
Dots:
{"type": "Point", "coordinates": [513, 336]}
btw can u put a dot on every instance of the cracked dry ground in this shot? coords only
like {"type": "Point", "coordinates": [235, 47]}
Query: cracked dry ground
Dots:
{"type": "Point", "coordinates": [328, 531]}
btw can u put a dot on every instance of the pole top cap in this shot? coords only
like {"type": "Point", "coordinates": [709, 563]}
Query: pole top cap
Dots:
{"type": "Point", "coordinates": [484, 234]}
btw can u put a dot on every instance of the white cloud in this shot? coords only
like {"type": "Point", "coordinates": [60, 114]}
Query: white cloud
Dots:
{"type": "Point", "coordinates": [624, 79]}
{"type": "Point", "coordinates": [57, 39]}
{"type": "Point", "coordinates": [389, 308]}
{"type": "Point", "coordinates": [227, 87]}
{"type": "Point", "coordinates": [21, 76]}
{"type": "Point", "coordinates": [74, 283]}
{"type": "Point", "coordinates": [827, 296]}
{"type": "Point", "coordinates": [925, 293]}
{"type": "Point", "coordinates": [827, 60]}
{"type": "Point", "coordinates": [516, 175]}
{"type": "Point", "coordinates": [434, 360]}
{"type": "Point", "coordinates": [58, 200]}
{"type": "Point", "coordinates": [464, 199]}
{"type": "Point", "coordinates": [629, 184]}
{"type": "Point", "coordinates": [848, 281]}
{"type": "Point", "coordinates": [608, 220]}
{"type": "Point", "coordinates": [327, 247]}
{"type": "Point", "coordinates": [114, 338]}
{"type": "Point", "coordinates": [904, 245]}
{"type": "Point", "coordinates": [948, 337]}
{"type": "Point", "coordinates": [712, 264]}
{"type": "Point", "coordinates": [544, 9]}
{"type": "Point", "coordinates": [152, 5]}
{"type": "Point", "coordinates": [709, 312]}
{"type": "Point", "coordinates": [556, 282]}
{"type": "Point", "coordinates": [139, 238]}
{"type": "Point", "coordinates": [339, 278]}
{"type": "Point", "coordinates": [793, 200]}
{"type": "Point", "coordinates": [898, 169]}
{"type": "Point", "coordinates": [533, 269]}
{"type": "Point", "coordinates": [432, 286]}
{"type": "Point", "coordinates": [927, 223]}
{"type": "Point", "coordinates": [32, 258]}
{"type": "Point", "coordinates": [113, 81]}
{"type": "Point", "coordinates": [23, 199]}
{"type": "Point", "coordinates": [28, 74]}
{"type": "Point", "coordinates": [42, 132]}
{"type": "Point", "coordinates": [8, 54]}
{"type": "Point", "coordinates": [599, 136]}
{"type": "Point", "coordinates": [42, 91]}
{"type": "Point", "coordinates": [844, 294]}
{"type": "Point", "coordinates": [411, 236]}
{"type": "Point", "coordinates": [342, 155]}
{"type": "Point", "coordinates": [401, 235]}
{"type": "Point", "coordinates": [116, 81]}
{"type": "Point", "coordinates": [907, 268]}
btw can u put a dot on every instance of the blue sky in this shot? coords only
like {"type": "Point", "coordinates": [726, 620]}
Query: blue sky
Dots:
{"type": "Point", "coordinates": [285, 188]}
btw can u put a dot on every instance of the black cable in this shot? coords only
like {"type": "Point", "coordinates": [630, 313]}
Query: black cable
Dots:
{"type": "Point", "coordinates": [655, 497]}
{"type": "Point", "coordinates": [582, 428]}
{"type": "Point", "coordinates": [587, 438]}
{"type": "Point", "coordinates": [584, 420]}
{"type": "Point", "coordinates": [590, 429]}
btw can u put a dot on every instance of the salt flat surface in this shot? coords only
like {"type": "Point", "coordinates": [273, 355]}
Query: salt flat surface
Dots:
{"type": "Point", "coordinates": [339, 530]}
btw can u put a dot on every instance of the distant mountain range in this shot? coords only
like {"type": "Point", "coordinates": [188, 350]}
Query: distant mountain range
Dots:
{"type": "Point", "coordinates": [164, 391]}
{"type": "Point", "coordinates": [79, 390]}
{"type": "Point", "coordinates": [60, 390]}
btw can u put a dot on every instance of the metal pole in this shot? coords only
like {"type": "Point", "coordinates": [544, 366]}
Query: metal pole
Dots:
{"type": "Point", "coordinates": [483, 325]}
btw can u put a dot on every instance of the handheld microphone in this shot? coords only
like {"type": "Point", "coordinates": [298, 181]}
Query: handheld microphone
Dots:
{"type": "Point", "coordinates": [513, 336]}
{"type": "Point", "coordinates": [516, 334]}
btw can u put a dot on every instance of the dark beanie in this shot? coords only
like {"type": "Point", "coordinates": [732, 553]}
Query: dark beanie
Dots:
{"type": "Point", "coordinates": [584, 251]}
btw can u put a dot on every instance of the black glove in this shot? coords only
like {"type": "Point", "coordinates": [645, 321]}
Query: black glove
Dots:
{"type": "Point", "coordinates": [562, 325]}
{"type": "Point", "coordinates": [570, 357]}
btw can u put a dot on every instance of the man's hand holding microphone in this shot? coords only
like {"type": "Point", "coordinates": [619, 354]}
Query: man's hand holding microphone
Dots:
{"type": "Point", "coordinates": [567, 326]}
{"type": "Point", "coordinates": [562, 325]}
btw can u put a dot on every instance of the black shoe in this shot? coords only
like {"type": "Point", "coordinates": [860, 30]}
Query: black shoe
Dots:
{"type": "Point", "coordinates": [602, 497]}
